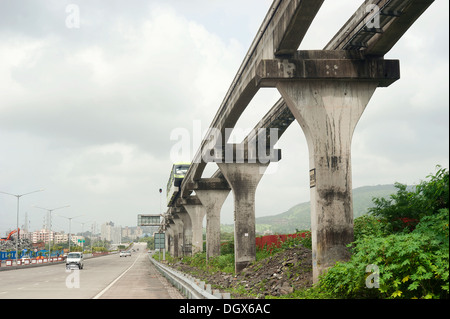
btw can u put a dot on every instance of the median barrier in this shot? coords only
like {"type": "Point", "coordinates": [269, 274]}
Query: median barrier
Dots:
{"type": "Point", "coordinates": [39, 261]}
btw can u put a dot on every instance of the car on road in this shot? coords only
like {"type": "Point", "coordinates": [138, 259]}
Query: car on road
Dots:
{"type": "Point", "coordinates": [125, 254]}
{"type": "Point", "coordinates": [75, 259]}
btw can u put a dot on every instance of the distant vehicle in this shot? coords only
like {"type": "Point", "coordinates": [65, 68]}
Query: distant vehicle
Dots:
{"type": "Point", "coordinates": [125, 254]}
{"type": "Point", "coordinates": [177, 175]}
{"type": "Point", "coordinates": [74, 259]}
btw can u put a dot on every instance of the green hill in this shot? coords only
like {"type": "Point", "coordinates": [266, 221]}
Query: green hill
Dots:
{"type": "Point", "coordinates": [298, 217]}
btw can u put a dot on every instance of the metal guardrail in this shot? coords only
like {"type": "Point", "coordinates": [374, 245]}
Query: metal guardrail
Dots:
{"type": "Point", "coordinates": [190, 287]}
{"type": "Point", "coordinates": [4, 266]}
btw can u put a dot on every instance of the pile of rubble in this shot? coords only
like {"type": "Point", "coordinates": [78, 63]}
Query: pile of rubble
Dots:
{"type": "Point", "coordinates": [7, 245]}
{"type": "Point", "coordinates": [276, 275]}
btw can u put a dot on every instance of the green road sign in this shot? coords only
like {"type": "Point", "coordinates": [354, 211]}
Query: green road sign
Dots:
{"type": "Point", "coordinates": [160, 240]}
{"type": "Point", "coordinates": [149, 220]}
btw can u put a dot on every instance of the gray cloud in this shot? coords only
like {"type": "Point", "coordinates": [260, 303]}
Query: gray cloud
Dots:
{"type": "Point", "coordinates": [87, 113]}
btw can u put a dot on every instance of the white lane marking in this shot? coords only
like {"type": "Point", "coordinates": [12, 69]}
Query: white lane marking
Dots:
{"type": "Point", "coordinates": [115, 280]}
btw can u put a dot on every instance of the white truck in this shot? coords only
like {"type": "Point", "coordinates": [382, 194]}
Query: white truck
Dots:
{"type": "Point", "coordinates": [74, 259]}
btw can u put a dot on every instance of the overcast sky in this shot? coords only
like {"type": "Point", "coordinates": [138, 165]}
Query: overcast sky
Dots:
{"type": "Point", "coordinates": [87, 111]}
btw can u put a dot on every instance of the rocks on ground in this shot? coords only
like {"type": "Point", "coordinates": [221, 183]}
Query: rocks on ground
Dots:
{"type": "Point", "coordinates": [279, 274]}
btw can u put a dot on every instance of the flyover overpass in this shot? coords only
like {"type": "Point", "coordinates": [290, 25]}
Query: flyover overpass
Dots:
{"type": "Point", "coordinates": [326, 91]}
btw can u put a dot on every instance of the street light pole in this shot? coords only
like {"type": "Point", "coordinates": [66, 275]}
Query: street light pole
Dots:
{"type": "Point", "coordinates": [17, 214]}
{"type": "Point", "coordinates": [70, 222]}
{"type": "Point", "coordinates": [50, 225]}
{"type": "Point", "coordinates": [82, 232]}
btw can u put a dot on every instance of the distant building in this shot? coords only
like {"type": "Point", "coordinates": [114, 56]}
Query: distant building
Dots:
{"type": "Point", "coordinates": [111, 233]}
{"type": "Point", "coordinates": [77, 240]}
{"type": "Point", "coordinates": [44, 236]}
{"type": "Point", "coordinates": [61, 238]}
{"type": "Point", "coordinates": [132, 233]}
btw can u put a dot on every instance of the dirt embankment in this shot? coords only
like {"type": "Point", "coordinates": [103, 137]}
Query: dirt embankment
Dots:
{"type": "Point", "coordinates": [279, 274]}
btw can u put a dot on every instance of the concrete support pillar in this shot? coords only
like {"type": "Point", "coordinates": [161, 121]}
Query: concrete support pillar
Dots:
{"type": "Point", "coordinates": [186, 232]}
{"type": "Point", "coordinates": [328, 112]}
{"type": "Point", "coordinates": [177, 235]}
{"type": "Point", "coordinates": [170, 239]}
{"type": "Point", "coordinates": [243, 179]}
{"type": "Point", "coordinates": [212, 200]}
{"type": "Point", "coordinates": [167, 240]}
{"type": "Point", "coordinates": [196, 213]}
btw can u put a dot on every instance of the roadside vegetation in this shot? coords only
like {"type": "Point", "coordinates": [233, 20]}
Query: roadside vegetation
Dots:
{"type": "Point", "coordinates": [406, 239]}
{"type": "Point", "coordinates": [401, 250]}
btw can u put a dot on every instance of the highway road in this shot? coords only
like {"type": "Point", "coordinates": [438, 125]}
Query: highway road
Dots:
{"type": "Point", "coordinates": [102, 278]}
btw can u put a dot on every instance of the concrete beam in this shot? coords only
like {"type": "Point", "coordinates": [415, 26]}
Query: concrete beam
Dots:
{"type": "Point", "coordinates": [282, 30]}
{"type": "Point", "coordinates": [392, 17]}
{"type": "Point", "coordinates": [211, 184]}
{"type": "Point", "coordinates": [328, 65]}
{"type": "Point", "coordinates": [383, 42]}
{"type": "Point", "coordinates": [296, 20]}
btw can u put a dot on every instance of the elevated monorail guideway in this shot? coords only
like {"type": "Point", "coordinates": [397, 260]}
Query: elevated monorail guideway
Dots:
{"type": "Point", "coordinates": [282, 31]}
{"type": "Point", "coordinates": [374, 28]}
{"type": "Point", "coordinates": [326, 91]}
{"type": "Point", "coordinates": [377, 25]}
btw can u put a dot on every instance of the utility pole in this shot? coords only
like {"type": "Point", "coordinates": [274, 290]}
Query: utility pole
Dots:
{"type": "Point", "coordinates": [17, 215]}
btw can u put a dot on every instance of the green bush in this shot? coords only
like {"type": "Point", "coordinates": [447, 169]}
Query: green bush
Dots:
{"type": "Point", "coordinates": [403, 210]}
{"type": "Point", "coordinates": [227, 247]}
{"type": "Point", "coordinates": [411, 265]}
{"type": "Point", "coordinates": [367, 226]}
{"type": "Point", "coordinates": [224, 263]}
{"type": "Point", "coordinates": [393, 257]}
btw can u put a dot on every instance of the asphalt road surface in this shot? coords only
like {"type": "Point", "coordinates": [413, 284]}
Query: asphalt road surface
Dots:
{"type": "Point", "coordinates": [104, 277]}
